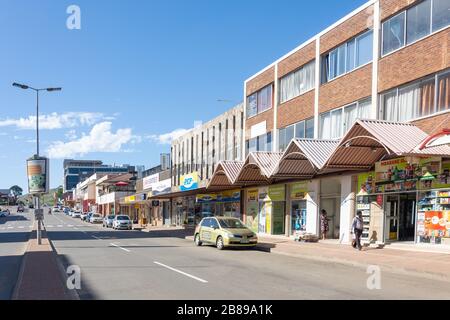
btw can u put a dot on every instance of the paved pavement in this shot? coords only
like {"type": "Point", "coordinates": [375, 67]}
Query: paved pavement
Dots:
{"type": "Point", "coordinates": [163, 265]}
{"type": "Point", "coordinates": [14, 235]}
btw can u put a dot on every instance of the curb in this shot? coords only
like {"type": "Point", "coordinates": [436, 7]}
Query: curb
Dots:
{"type": "Point", "coordinates": [15, 293]}
{"type": "Point", "coordinates": [396, 270]}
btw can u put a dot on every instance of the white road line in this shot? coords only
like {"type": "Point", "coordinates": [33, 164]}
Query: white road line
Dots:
{"type": "Point", "coordinates": [60, 226]}
{"type": "Point", "coordinates": [21, 227]}
{"type": "Point", "coordinates": [96, 237]}
{"type": "Point", "coordinates": [115, 245]}
{"type": "Point", "coordinates": [181, 272]}
{"type": "Point", "coordinates": [70, 226]}
{"type": "Point", "coordinates": [50, 226]}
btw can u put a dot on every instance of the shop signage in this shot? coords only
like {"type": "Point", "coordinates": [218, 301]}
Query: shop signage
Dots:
{"type": "Point", "coordinates": [203, 198]}
{"type": "Point", "coordinates": [263, 194]}
{"type": "Point", "coordinates": [38, 175]}
{"type": "Point", "coordinates": [366, 183]}
{"type": "Point", "coordinates": [299, 190]}
{"type": "Point", "coordinates": [130, 199]}
{"type": "Point", "coordinates": [277, 193]}
{"type": "Point", "coordinates": [149, 181]}
{"type": "Point", "coordinates": [189, 182]}
{"type": "Point", "coordinates": [225, 196]}
{"type": "Point", "coordinates": [252, 195]}
{"type": "Point", "coordinates": [162, 187]}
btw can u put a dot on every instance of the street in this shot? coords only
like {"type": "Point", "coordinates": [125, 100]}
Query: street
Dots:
{"type": "Point", "coordinates": [135, 265]}
{"type": "Point", "coordinates": [14, 234]}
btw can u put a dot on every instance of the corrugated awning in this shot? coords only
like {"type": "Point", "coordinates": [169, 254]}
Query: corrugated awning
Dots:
{"type": "Point", "coordinates": [304, 158]}
{"type": "Point", "coordinates": [368, 141]}
{"type": "Point", "coordinates": [258, 168]}
{"type": "Point", "coordinates": [225, 174]}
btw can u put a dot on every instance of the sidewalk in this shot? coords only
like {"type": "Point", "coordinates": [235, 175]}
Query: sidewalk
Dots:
{"type": "Point", "coordinates": [396, 259]}
{"type": "Point", "coordinates": [41, 277]}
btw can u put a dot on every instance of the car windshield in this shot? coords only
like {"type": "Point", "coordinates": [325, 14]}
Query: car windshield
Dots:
{"type": "Point", "coordinates": [231, 223]}
{"type": "Point", "coordinates": [111, 217]}
{"type": "Point", "coordinates": [123, 218]}
{"type": "Point", "coordinates": [96, 215]}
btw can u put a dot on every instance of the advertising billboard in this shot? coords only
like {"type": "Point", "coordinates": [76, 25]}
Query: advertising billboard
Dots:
{"type": "Point", "coordinates": [38, 175]}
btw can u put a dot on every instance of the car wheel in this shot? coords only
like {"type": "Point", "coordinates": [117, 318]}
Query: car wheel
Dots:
{"type": "Point", "coordinates": [219, 243]}
{"type": "Point", "coordinates": [197, 241]}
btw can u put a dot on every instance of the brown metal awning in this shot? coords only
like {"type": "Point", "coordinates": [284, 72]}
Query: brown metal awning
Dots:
{"type": "Point", "coordinates": [258, 168]}
{"type": "Point", "coordinates": [304, 158]}
{"type": "Point", "coordinates": [369, 141]}
{"type": "Point", "coordinates": [225, 174]}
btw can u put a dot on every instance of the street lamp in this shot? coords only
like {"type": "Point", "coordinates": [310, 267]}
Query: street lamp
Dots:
{"type": "Point", "coordinates": [37, 200]}
{"type": "Point", "coordinates": [25, 87]}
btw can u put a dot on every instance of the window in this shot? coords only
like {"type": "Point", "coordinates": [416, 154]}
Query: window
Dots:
{"type": "Point", "coordinates": [394, 33]}
{"type": "Point", "coordinates": [415, 23]}
{"type": "Point", "coordinates": [302, 129]}
{"type": "Point", "coordinates": [418, 21]}
{"type": "Point", "coordinates": [347, 57]}
{"type": "Point", "coordinates": [259, 102]}
{"type": "Point", "coordinates": [335, 123]}
{"type": "Point", "coordinates": [441, 14]}
{"type": "Point", "coordinates": [297, 82]}
{"type": "Point", "coordinates": [418, 99]}
{"type": "Point", "coordinates": [260, 143]}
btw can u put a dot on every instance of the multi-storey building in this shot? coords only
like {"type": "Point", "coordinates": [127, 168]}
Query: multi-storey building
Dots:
{"type": "Point", "coordinates": [194, 157]}
{"type": "Point", "coordinates": [76, 171]}
{"type": "Point", "coordinates": [388, 61]}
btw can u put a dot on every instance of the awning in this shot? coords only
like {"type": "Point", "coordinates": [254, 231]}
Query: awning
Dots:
{"type": "Point", "coordinates": [258, 168]}
{"type": "Point", "coordinates": [369, 141]}
{"type": "Point", "coordinates": [304, 158]}
{"type": "Point", "coordinates": [225, 174]}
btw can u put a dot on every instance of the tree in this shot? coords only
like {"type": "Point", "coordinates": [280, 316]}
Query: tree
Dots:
{"type": "Point", "coordinates": [16, 191]}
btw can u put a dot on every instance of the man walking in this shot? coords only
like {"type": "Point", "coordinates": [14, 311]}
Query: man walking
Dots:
{"type": "Point", "coordinates": [357, 229]}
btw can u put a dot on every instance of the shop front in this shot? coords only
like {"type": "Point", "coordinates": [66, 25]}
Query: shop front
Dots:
{"type": "Point", "coordinates": [406, 199]}
{"type": "Point", "coordinates": [265, 209]}
{"type": "Point", "coordinates": [223, 204]}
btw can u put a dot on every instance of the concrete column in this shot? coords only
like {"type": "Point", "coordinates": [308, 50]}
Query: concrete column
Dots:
{"type": "Point", "coordinates": [316, 91]}
{"type": "Point", "coordinates": [347, 208]}
{"type": "Point", "coordinates": [312, 207]}
{"type": "Point", "coordinates": [376, 56]}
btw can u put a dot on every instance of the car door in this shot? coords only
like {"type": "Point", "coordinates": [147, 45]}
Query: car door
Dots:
{"type": "Point", "coordinates": [206, 230]}
{"type": "Point", "coordinates": [215, 230]}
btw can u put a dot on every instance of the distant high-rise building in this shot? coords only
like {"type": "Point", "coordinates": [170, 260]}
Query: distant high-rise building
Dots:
{"type": "Point", "coordinates": [76, 171]}
{"type": "Point", "coordinates": [165, 161]}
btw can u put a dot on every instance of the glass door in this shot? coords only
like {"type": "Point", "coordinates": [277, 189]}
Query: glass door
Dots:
{"type": "Point", "coordinates": [407, 217]}
{"type": "Point", "coordinates": [298, 216]}
{"type": "Point", "coordinates": [392, 225]}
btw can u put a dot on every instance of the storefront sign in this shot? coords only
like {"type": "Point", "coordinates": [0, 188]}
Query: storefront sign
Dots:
{"type": "Point", "coordinates": [189, 182]}
{"type": "Point", "coordinates": [277, 193]}
{"type": "Point", "coordinates": [203, 198]}
{"type": "Point", "coordinates": [263, 194]}
{"type": "Point", "coordinates": [299, 190]}
{"type": "Point", "coordinates": [252, 195]}
{"type": "Point", "coordinates": [130, 199]}
{"type": "Point", "coordinates": [38, 175]}
{"type": "Point", "coordinates": [366, 183]}
{"type": "Point", "coordinates": [149, 181]}
{"type": "Point", "coordinates": [162, 187]}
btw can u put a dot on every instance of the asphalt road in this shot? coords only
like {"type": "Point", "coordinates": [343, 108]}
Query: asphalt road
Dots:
{"type": "Point", "coordinates": [163, 265]}
{"type": "Point", "coordinates": [14, 234]}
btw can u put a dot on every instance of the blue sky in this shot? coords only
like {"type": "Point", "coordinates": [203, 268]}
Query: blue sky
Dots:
{"type": "Point", "coordinates": [135, 72]}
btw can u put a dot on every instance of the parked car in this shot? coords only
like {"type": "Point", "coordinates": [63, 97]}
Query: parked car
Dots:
{"type": "Point", "coordinates": [76, 214]}
{"type": "Point", "coordinates": [108, 221]}
{"type": "Point", "coordinates": [95, 218]}
{"type": "Point", "coordinates": [55, 209]}
{"type": "Point", "coordinates": [83, 216]}
{"type": "Point", "coordinates": [21, 208]}
{"type": "Point", "coordinates": [122, 222]}
{"type": "Point", "coordinates": [4, 213]}
{"type": "Point", "coordinates": [88, 217]}
{"type": "Point", "coordinates": [31, 206]}
{"type": "Point", "coordinates": [224, 232]}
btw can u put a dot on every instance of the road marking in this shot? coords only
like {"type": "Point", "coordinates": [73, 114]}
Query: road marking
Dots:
{"type": "Point", "coordinates": [60, 226]}
{"type": "Point", "coordinates": [50, 226]}
{"type": "Point", "coordinates": [181, 272]}
{"type": "Point", "coordinates": [10, 228]}
{"type": "Point", "coordinates": [96, 237]}
{"type": "Point", "coordinates": [21, 227]}
{"type": "Point", "coordinates": [115, 245]}
{"type": "Point", "coordinates": [70, 226]}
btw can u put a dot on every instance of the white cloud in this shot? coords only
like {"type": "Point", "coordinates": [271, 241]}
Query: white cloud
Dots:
{"type": "Point", "coordinates": [71, 135]}
{"type": "Point", "coordinates": [55, 121]}
{"type": "Point", "coordinates": [99, 139]}
{"type": "Point", "coordinates": [167, 138]}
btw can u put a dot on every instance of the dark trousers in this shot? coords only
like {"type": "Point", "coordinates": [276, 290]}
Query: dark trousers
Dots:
{"type": "Point", "coordinates": [358, 234]}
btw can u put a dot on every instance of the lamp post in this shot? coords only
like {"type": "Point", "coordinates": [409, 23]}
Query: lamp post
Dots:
{"type": "Point", "coordinates": [26, 87]}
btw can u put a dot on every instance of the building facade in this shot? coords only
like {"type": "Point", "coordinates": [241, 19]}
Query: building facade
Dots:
{"type": "Point", "coordinates": [76, 171]}
{"type": "Point", "coordinates": [388, 60]}
{"type": "Point", "coordinates": [194, 157]}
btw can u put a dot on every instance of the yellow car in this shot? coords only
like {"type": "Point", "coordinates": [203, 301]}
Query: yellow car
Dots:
{"type": "Point", "coordinates": [224, 232]}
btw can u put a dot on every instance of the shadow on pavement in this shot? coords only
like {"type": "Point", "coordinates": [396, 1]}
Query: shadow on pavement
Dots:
{"type": "Point", "coordinates": [9, 266]}
{"type": "Point", "coordinates": [11, 237]}
{"type": "Point", "coordinates": [12, 218]}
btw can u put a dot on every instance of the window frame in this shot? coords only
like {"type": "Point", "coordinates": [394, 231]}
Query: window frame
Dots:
{"type": "Point", "coordinates": [343, 128]}
{"type": "Point", "coordinates": [381, 108]}
{"type": "Point", "coordinates": [257, 93]}
{"type": "Point", "coordinates": [404, 11]}
{"type": "Point", "coordinates": [286, 143]}
{"type": "Point", "coordinates": [326, 56]}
